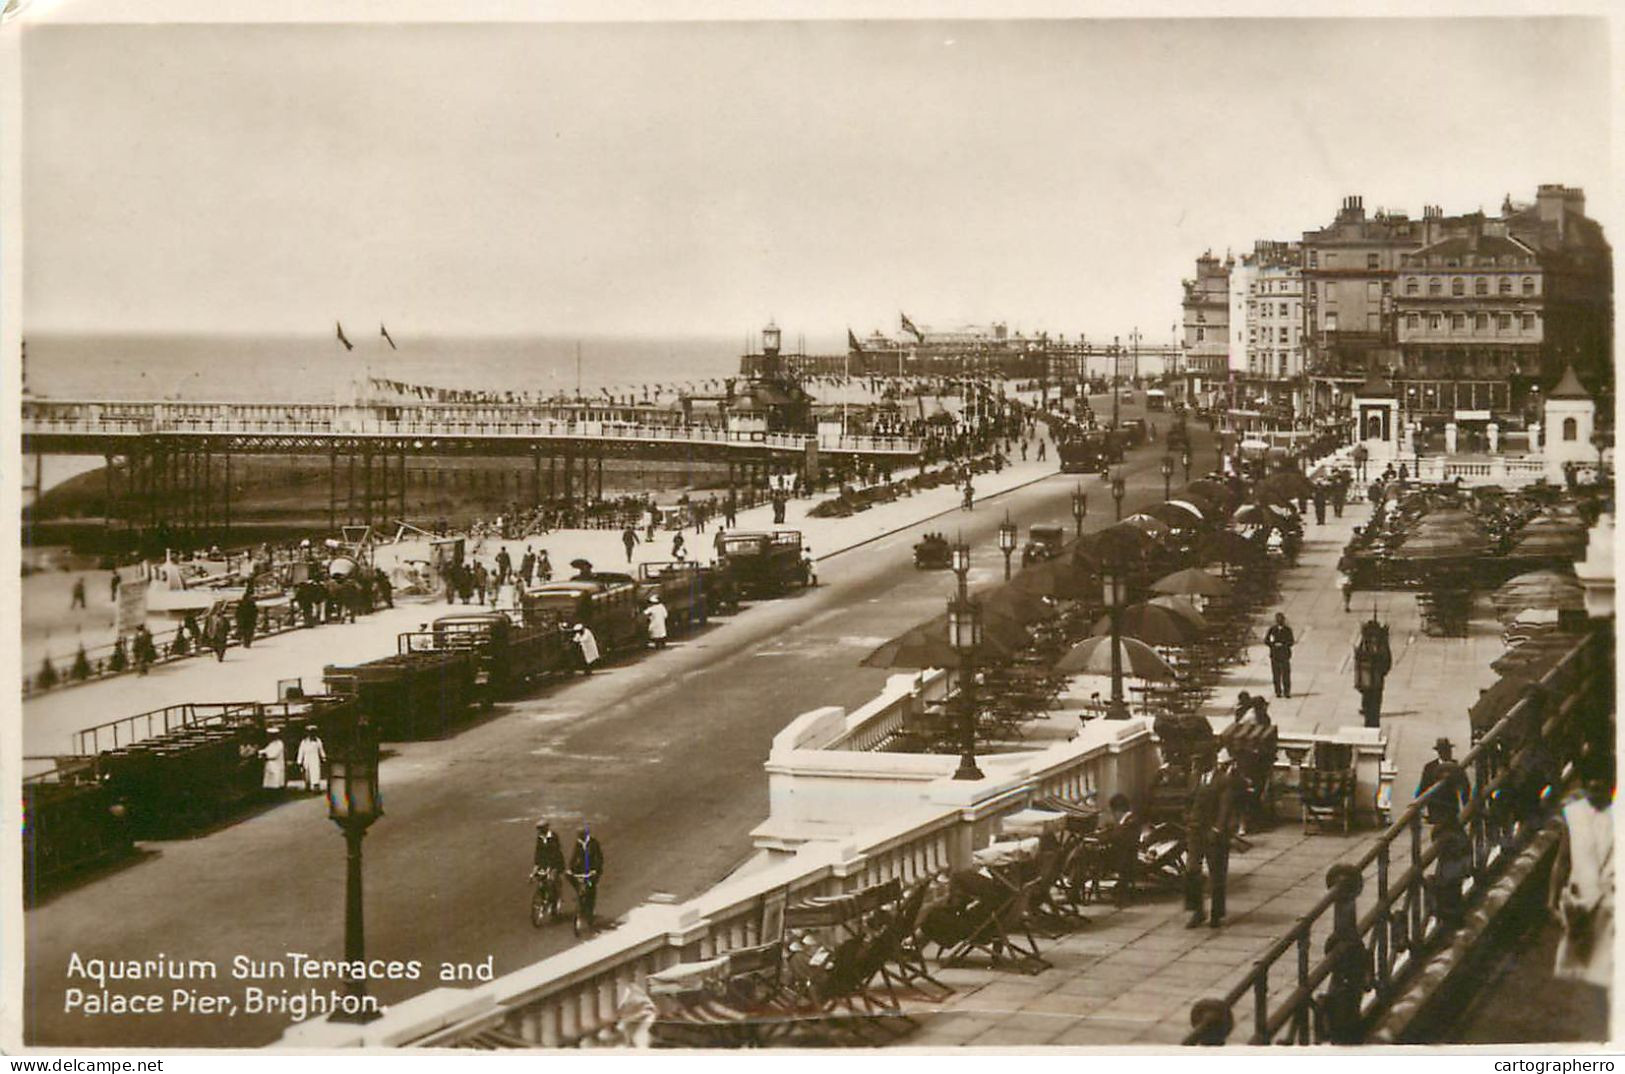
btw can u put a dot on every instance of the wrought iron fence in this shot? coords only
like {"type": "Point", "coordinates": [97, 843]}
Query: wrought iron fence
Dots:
{"type": "Point", "coordinates": [1366, 957]}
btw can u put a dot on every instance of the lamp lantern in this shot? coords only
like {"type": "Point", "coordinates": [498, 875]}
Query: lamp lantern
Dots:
{"type": "Point", "coordinates": [1007, 542]}
{"type": "Point", "coordinates": [353, 803]}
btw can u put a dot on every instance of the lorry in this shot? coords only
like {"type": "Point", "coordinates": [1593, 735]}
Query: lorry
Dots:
{"type": "Point", "coordinates": [689, 590]}
{"type": "Point", "coordinates": [765, 564]}
{"type": "Point", "coordinates": [1088, 451]}
{"type": "Point", "coordinates": [608, 603]}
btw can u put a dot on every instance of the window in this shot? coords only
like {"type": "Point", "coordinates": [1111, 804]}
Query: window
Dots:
{"type": "Point", "coordinates": [1314, 290]}
{"type": "Point", "coordinates": [1413, 320]}
{"type": "Point", "coordinates": [1505, 286]}
{"type": "Point", "coordinates": [1314, 258]}
{"type": "Point", "coordinates": [1571, 429]}
{"type": "Point", "coordinates": [1411, 286]}
{"type": "Point", "coordinates": [1283, 309]}
{"type": "Point", "coordinates": [1458, 322]}
{"type": "Point", "coordinates": [1529, 320]}
{"type": "Point", "coordinates": [1372, 262]}
{"type": "Point", "coordinates": [1435, 321]}
{"type": "Point", "coordinates": [1481, 321]}
{"type": "Point", "coordinates": [1458, 287]}
{"type": "Point", "coordinates": [1435, 286]}
{"type": "Point", "coordinates": [1387, 288]}
{"type": "Point", "coordinates": [1528, 285]}
{"type": "Point", "coordinates": [1503, 320]}
{"type": "Point", "coordinates": [1199, 334]}
{"type": "Point", "coordinates": [1481, 285]}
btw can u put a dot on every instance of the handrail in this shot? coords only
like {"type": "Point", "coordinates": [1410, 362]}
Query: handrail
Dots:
{"type": "Point", "coordinates": [1211, 1018]}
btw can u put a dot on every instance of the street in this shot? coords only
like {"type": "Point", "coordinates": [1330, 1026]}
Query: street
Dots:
{"type": "Point", "coordinates": [662, 754]}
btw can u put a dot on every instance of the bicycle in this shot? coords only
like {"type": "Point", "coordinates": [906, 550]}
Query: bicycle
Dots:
{"type": "Point", "coordinates": [586, 890]}
{"type": "Point", "coordinates": [544, 901]}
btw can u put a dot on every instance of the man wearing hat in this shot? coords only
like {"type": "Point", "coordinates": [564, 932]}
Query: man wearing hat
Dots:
{"type": "Point", "coordinates": [311, 758]}
{"type": "Point", "coordinates": [1444, 804]}
{"type": "Point", "coordinates": [656, 614]}
{"type": "Point", "coordinates": [1210, 818]}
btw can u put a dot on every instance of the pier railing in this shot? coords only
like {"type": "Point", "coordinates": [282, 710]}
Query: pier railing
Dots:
{"type": "Point", "coordinates": [1373, 952]}
{"type": "Point", "coordinates": [89, 418]}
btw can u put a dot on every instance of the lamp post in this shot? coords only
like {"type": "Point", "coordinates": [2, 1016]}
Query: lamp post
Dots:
{"type": "Point", "coordinates": [353, 803]}
{"type": "Point", "coordinates": [965, 635]}
{"type": "Point", "coordinates": [1119, 490]}
{"type": "Point", "coordinates": [1080, 508]}
{"type": "Point", "coordinates": [1186, 459]}
{"type": "Point", "coordinates": [1599, 440]}
{"type": "Point", "coordinates": [1117, 365]}
{"type": "Point", "coordinates": [1167, 468]}
{"type": "Point", "coordinates": [1114, 590]}
{"type": "Point", "coordinates": [1007, 542]}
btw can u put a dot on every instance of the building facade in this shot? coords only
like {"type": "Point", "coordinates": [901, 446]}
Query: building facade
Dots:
{"type": "Point", "coordinates": [1267, 352]}
{"type": "Point", "coordinates": [1205, 357]}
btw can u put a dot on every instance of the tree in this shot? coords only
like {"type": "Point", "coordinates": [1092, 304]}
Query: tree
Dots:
{"type": "Point", "coordinates": [47, 677]}
{"type": "Point", "coordinates": [81, 666]}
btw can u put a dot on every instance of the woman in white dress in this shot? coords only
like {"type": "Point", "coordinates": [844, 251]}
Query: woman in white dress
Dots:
{"type": "Point", "coordinates": [312, 759]}
{"type": "Point", "coordinates": [275, 752]}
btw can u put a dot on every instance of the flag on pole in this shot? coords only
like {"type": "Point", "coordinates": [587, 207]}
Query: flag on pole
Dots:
{"type": "Point", "coordinates": [908, 326]}
{"type": "Point", "coordinates": [852, 342]}
{"type": "Point", "coordinates": [347, 344]}
{"type": "Point", "coordinates": [385, 333]}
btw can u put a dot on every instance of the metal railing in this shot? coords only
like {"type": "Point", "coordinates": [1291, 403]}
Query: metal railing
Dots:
{"type": "Point", "coordinates": [1393, 931]}
{"type": "Point", "coordinates": [122, 732]}
{"type": "Point", "coordinates": [133, 419]}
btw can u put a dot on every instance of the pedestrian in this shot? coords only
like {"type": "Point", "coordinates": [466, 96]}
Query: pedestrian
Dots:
{"type": "Point", "coordinates": [1447, 802]}
{"type": "Point", "coordinates": [112, 586]}
{"type": "Point", "coordinates": [1279, 639]}
{"type": "Point", "coordinates": [1042, 443]}
{"type": "Point", "coordinates": [970, 497]}
{"type": "Point", "coordinates": [629, 538]}
{"type": "Point", "coordinates": [1582, 887]}
{"type": "Point", "coordinates": [730, 511]}
{"type": "Point", "coordinates": [1210, 817]}
{"type": "Point", "coordinates": [809, 566]}
{"type": "Point", "coordinates": [656, 614]}
{"type": "Point", "coordinates": [274, 777]}
{"type": "Point", "coordinates": [219, 629]}
{"type": "Point", "coordinates": [1244, 705]}
{"type": "Point", "coordinates": [586, 873]}
{"type": "Point", "coordinates": [1340, 494]}
{"type": "Point", "coordinates": [1024, 451]}
{"type": "Point", "coordinates": [1373, 659]}
{"type": "Point", "coordinates": [144, 651]}
{"type": "Point", "coordinates": [650, 521]}
{"type": "Point", "coordinates": [586, 647]}
{"type": "Point", "coordinates": [1451, 868]}
{"type": "Point", "coordinates": [383, 587]}
{"type": "Point", "coordinates": [312, 759]}
{"type": "Point", "coordinates": [504, 566]}
{"type": "Point", "coordinates": [1122, 838]}
{"type": "Point", "coordinates": [248, 617]}
{"type": "Point", "coordinates": [719, 544]}
{"type": "Point", "coordinates": [1345, 584]}
{"type": "Point", "coordinates": [78, 598]}
{"type": "Point", "coordinates": [482, 579]}
{"type": "Point", "coordinates": [1320, 504]}
{"type": "Point", "coordinates": [544, 567]}
{"type": "Point", "coordinates": [527, 566]}
{"type": "Point", "coordinates": [677, 545]}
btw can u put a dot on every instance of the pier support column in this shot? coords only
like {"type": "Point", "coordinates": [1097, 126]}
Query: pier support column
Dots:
{"type": "Point", "coordinates": [226, 498]}
{"type": "Point", "coordinates": [569, 471]}
{"type": "Point", "coordinates": [349, 501]}
{"type": "Point", "coordinates": [403, 486]}
{"type": "Point", "coordinates": [600, 476]}
{"type": "Point", "coordinates": [535, 476]}
{"type": "Point", "coordinates": [107, 492]}
{"type": "Point", "coordinates": [332, 489]}
{"type": "Point", "coordinates": [366, 486]}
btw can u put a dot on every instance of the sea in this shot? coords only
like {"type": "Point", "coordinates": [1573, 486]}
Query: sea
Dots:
{"type": "Point", "coordinates": [227, 368]}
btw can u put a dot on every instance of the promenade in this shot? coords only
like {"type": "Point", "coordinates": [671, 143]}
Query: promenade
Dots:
{"type": "Point", "coordinates": [1130, 976]}
{"type": "Point", "coordinates": [50, 719]}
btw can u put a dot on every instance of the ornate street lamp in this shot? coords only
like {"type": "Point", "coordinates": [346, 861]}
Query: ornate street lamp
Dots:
{"type": "Point", "coordinates": [1007, 542]}
{"type": "Point", "coordinates": [1186, 459]}
{"type": "Point", "coordinates": [1080, 509]}
{"type": "Point", "coordinates": [1114, 591]}
{"type": "Point", "coordinates": [1167, 468]}
{"type": "Point", "coordinates": [1119, 490]}
{"type": "Point", "coordinates": [353, 803]}
{"type": "Point", "coordinates": [1599, 440]}
{"type": "Point", "coordinates": [965, 636]}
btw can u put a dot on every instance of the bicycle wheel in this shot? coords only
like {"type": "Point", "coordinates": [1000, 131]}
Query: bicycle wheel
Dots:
{"type": "Point", "coordinates": [543, 905]}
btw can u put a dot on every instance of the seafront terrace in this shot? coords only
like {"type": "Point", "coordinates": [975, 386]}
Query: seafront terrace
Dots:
{"type": "Point", "coordinates": [1130, 975]}
{"type": "Point", "coordinates": [102, 425]}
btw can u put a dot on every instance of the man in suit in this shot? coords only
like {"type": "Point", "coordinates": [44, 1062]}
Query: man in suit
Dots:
{"type": "Point", "coordinates": [1210, 818]}
{"type": "Point", "coordinates": [1446, 803]}
{"type": "Point", "coordinates": [1122, 837]}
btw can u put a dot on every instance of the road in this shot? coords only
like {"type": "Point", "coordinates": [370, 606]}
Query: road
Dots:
{"type": "Point", "coordinates": [661, 754]}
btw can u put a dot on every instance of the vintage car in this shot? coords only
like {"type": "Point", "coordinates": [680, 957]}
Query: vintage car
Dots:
{"type": "Point", "coordinates": [765, 564]}
{"type": "Point", "coordinates": [932, 553]}
{"type": "Point", "coordinates": [1043, 542]}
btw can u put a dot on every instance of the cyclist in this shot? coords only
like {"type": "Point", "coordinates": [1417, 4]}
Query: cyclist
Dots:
{"type": "Point", "coordinates": [546, 869]}
{"type": "Point", "coordinates": [586, 872]}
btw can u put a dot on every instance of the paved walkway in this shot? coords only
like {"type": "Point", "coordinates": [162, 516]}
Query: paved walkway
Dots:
{"type": "Point", "coordinates": [1130, 976]}
{"type": "Point", "coordinates": [50, 719]}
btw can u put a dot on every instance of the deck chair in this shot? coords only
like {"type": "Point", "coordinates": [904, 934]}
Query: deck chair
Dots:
{"type": "Point", "coordinates": [905, 969]}
{"type": "Point", "coordinates": [1328, 796]}
{"type": "Point", "coordinates": [993, 920]}
{"type": "Point", "coordinates": [1053, 912]}
{"type": "Point", "coordinates": [736, 1006]}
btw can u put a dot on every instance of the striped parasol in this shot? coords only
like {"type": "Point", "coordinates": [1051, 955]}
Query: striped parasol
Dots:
{"type": "Point", "coordinates": [1093, 656]}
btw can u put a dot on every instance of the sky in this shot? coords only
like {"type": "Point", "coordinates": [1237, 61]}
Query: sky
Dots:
{"type": "Point", "coordinates": [699, 178]}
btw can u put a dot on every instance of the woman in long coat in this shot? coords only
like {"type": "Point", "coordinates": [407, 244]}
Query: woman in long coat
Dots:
{"type": "Point", "coordinates": [311, 759]}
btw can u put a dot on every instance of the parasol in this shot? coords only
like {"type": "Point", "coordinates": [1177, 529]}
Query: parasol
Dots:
{"type": "Point", "coordinates": [1183, 607]}
{"type": "Point", "coordinates": [583, 565]}
{"type": "Point", "coordinates": [1187, 506]}
{"type": "Point", "coordinates": [1063, 579]}
{"type": "Point", "coordinates": [1192, 580]}
{"type": "Point", "coordinates": [1093, 656]}
{"type": "Point", "coordinates": [1153, 625]}
{"type": "Point", "coordinates": [1019, 605]}
{"type": "Point", "coordinates": [1152, 527]}
{"type": "Point", "coordinates": [924, 647]}
{"type": "Point", "coordinates": [1540, 589]}
{"type": "Point", "coordinates": [1289, 483]}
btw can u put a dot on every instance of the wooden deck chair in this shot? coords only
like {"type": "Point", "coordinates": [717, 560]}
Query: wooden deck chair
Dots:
{"type": "Point", "coordinates": [995, 923]}
{"type": "Point", "coordinates": [905, 967]}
